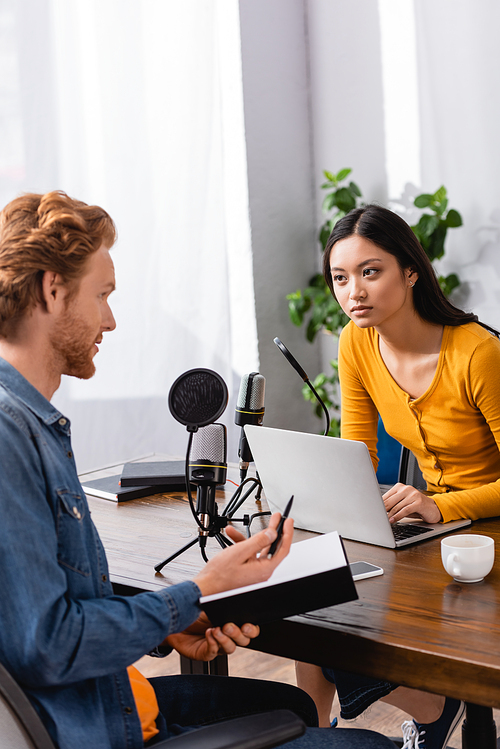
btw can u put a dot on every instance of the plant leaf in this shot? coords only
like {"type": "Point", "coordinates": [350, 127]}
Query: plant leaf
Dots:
{"type": "Point", "coordinates": [453, 219]}
{"type": "Point", "coordinates": [435, 246]}
{"type": "Point", "coordinates": [354, 189]}
{"type": "Point", "coordinates": [427, 224]}
{"type": "Point", "coordinates": [330, 201]}
{"type": "Point", "coordinates": [423, 201]}
{"type": "Point", "coordinates": [440, 194]}
{"type": "Point", "coordinates": [345, 200]}
{"type": "Point", "coordinates": [312, 329]}
{"type": "Point", "coordinates": [324, 234]}
{"type": "Point", "coordinates": [295, 315]}
{"type": "Point", "coordinates": [441, 208]}
{"type": "Point", "coordinates": [449, 283]}
{"type": "Point", "coordinates": [343, 174]}
{"type": "Point", "coordinates": [331, 177]}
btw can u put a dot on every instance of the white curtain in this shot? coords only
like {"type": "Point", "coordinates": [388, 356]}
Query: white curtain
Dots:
{"type": "Point", "coordinates": [458, 59]}
{"type": "Point", "coordinates": [440, 62]}
{"type": "Point", "coordinates": [136, 105]}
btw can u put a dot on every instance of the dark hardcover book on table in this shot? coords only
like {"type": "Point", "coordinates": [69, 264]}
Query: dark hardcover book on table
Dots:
{"type": "Point", "coordinates": [314, 575]}
{"type": "Point", "coordinates": [165, 473]}
{"type": "Point", "coordinates": [109, 488]}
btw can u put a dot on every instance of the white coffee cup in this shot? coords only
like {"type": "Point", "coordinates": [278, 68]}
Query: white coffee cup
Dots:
{"type": "Point", "coordinates": [467, 557]}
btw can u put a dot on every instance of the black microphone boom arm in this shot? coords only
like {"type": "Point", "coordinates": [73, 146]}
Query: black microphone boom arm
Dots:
{"type": "Point", "coordinates": [293, 361]}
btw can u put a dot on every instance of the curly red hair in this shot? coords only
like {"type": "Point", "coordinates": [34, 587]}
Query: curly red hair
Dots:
{"type": "Point", "coordinates": [39, 233]}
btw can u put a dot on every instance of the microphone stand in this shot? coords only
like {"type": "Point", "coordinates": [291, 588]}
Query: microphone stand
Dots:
{"type": "Point", "coordinates": [206, 515]}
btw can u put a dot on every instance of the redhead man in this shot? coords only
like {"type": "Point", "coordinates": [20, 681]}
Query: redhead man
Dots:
{"type": "Point", "coordinates": [64, 636]}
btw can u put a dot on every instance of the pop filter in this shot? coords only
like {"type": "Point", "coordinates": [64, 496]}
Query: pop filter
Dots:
{"type": "Point", "coordinates": [197, 398]}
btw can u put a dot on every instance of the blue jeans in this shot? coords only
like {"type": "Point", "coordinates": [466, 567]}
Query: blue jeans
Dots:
{"type": "Point", "coordinates": [356, 692]}
{"type": "Point", "coordinates": [191, 701]}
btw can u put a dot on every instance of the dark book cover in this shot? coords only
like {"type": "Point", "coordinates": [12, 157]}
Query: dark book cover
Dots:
{"type": "Point", "coordinates": [109, 488]}
{"type": "Point", "coordinates": [160, 473]}
{"type": "Point", "coordinates": [315, 575]}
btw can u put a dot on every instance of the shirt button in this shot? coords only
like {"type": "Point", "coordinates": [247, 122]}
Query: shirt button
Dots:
{"type": "Point", "coordinates": [128, 710]}
{"type": "Point", "coordinates": [70, 454]}
{"type": "Point", "coordinates": [104, 578]}
{"type": "Point", "coordinates": [63, 421]}
{"type": "Point", "coordinates": [76, 513]}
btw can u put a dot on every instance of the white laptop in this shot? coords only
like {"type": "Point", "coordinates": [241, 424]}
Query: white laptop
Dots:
{"type": "Point", "coordinates": [334, 486]}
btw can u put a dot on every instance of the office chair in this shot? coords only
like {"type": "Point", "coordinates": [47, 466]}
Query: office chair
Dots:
{"type": "Point", "coordinates": [409, 472]}
{"type": "Point", "coordinates": [21, 727]}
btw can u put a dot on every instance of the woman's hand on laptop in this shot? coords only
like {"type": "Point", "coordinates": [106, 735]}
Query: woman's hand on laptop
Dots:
{"type": "Point", "coordinates": [403, 501]}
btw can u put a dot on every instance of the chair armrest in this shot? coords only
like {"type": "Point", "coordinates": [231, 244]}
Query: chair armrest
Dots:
{"type": "Point", "coordinates": [260, 731]}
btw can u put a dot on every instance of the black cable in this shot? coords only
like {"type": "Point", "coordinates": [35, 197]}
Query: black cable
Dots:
{"type": "Point", "coordinates": [236, 500]}
{"type": "Point", "coordinates": [232, 501]}
{"type": "Point", "coordinates": [188, 484]}
{"type": "Point", "coordinates": [252, 518]}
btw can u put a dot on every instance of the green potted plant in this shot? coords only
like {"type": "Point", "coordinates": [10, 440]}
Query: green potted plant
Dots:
{"type": "Point", "coordinates": [432, 228]}
{"type": "Point", "coordinates": [314, 305]}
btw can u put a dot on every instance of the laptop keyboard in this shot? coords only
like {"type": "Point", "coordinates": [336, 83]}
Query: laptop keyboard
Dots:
{"type": "Point", "coordinates": [407, 530]}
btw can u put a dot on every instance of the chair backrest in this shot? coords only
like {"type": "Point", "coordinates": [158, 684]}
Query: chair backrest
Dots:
{"type": "Point", "coordinates": [20, 725]}
{"type": "Point", "coordinates": [409, 472]}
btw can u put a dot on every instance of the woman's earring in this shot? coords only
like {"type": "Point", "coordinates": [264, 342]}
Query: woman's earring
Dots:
{"type": "Point", "coordinates": [412, 284]}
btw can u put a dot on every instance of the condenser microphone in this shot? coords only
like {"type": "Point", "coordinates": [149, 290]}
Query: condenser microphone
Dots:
{"type": "Point", "coordinates": [207, 470]}
{"type": "Point", "coordinates": [249, 410]}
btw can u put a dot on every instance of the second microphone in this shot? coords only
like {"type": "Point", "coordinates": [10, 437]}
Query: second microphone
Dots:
{"type": "Point", "coordinates": [249, 410]}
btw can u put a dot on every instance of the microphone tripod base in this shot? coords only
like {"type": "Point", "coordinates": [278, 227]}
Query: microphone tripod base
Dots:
{"type": "Point", "coordinates": [201, 540]}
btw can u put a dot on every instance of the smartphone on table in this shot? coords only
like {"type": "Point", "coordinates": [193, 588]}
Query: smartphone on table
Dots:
{"type": "Point", "coordinates": [360, 570]}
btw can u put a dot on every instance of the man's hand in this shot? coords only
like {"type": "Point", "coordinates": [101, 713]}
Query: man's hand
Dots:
{"type": "Point", "coordinates": [201, 642]}
{"type": "Point", "coordinates": [402, 501]}
{"type": "Point", "coordinates": [246, 562]}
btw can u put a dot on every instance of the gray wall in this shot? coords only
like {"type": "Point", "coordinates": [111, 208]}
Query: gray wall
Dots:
{"type": "Point", "coordinates": [281, 193]}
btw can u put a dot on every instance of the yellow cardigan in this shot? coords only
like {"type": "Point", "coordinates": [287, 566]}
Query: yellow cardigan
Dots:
{"type": "Point", "coordinates": [453, 428]}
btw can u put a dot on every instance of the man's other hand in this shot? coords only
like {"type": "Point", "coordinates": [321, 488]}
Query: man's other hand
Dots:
{"type": "Point", "coordinates": [202, 642]}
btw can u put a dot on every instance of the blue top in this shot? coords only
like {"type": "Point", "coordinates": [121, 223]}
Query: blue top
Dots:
{"type": "Point", "coordinates": [64, 636]}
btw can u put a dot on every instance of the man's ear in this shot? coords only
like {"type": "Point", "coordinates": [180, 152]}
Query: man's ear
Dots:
{"type": "Point", "coordinates": [53, 290]}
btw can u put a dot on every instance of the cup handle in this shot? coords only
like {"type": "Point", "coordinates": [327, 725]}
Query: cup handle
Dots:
{"type": "Point", "coordinates": [452, 567]}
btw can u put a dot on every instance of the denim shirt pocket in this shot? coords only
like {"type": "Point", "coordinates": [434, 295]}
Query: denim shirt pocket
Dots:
{"type": "Point", "coordinates": [72, 540]}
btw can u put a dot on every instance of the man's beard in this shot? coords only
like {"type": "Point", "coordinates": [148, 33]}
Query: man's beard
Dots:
{"type": "Point", "coordinates": [72, 342]}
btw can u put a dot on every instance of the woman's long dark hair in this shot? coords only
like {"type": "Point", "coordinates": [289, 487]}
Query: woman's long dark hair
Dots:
{"type": "Point", "coordinates": [391, 233]}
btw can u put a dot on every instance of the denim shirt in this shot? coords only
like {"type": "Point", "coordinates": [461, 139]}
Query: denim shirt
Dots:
{"type": "Point", "coordinates": [64, 636]}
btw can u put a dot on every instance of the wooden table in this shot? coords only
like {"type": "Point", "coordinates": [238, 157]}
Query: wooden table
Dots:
{"type": "Point", "coordinates": [413, 625]}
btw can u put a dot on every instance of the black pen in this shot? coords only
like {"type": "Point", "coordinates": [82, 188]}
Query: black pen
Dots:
{"type": "Point", "coordinates": [279, 529]}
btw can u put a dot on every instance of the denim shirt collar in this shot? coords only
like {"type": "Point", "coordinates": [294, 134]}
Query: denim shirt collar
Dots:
{"type": "Point", "coordinates": [16, 384]}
